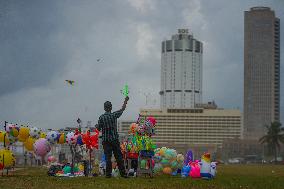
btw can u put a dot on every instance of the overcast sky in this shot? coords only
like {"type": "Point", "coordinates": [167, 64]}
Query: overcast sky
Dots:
{"type": "Point", "coordinates": [42, 43]}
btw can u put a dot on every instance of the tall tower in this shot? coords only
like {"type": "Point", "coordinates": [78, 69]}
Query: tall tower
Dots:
{"type": "Point", "coordinates": [181, 71]}
{"type": "Point", "coordinates": [261, 70]}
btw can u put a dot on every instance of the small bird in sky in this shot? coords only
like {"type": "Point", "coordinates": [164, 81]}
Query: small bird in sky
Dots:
{"type": "Point", "coordinates": [98, 60]}
{"type": "Point", "coordinates": [71, 82]}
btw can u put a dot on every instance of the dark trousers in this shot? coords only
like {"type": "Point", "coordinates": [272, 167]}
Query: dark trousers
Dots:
{"type": "Point", "coordinates": [109, 148]}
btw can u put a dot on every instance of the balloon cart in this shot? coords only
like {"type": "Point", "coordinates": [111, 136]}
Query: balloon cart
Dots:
{"type": "Point", "coordinates": [145, 163]}
{"type": "Point", "coordinates": [128, 158]}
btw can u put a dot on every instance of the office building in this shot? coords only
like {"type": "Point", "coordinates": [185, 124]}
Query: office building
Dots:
{"type": "Point", "coordinates": [261, 70]}
{"type": "Point", "coordinates": [181, 71]}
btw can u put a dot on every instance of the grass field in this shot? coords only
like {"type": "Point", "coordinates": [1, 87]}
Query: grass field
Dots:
{"type": "Point", "coordinates": [228, 176]}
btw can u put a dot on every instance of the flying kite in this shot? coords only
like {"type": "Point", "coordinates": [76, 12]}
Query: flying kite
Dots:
{"type": "Point", "coordinates": [70, 82]}
{"type": "Point", "coordinates": [98, 59]}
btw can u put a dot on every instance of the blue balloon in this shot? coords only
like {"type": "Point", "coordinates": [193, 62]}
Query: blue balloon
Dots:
{"type": "Point", "coordinates": [80, 140]}
{"type": "Point", "coordinates": [185, 171]}
{"type": "Point", "coordinates": [175, 173]}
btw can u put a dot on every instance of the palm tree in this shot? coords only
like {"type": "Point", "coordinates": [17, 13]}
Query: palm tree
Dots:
{"type": "Point", "coordinates": [273, 137]}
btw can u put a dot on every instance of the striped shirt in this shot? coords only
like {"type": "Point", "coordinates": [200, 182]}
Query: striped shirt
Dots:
{"type": "Point", "coordinates": [108, 125]}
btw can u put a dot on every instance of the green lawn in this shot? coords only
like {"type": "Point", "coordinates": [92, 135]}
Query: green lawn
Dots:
{"type": "Point", "coordinates": [229, 176]}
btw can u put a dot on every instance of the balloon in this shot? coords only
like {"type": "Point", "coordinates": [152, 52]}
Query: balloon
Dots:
{"type": "Point", "coordinates": [167, 170]}
{"type": "Point", "coordinates": [91, 141]}
{"type": "Point", "coordinates": [195, 170]}
{"type": "Point", "coordinates": [133, 128]}
{"type": "Point", "coordinates": [213, 169]}
{"type": "Point", "coordinates": [152, 120]}
{"type": "Point", "coordinates": [205, 166]}
{"type": "Point", "coordinates": [29, 144]}
{"type": "Point", "coordinates": [188, 157]}
{"type": "Point", "coordinates": [35, 132]}
{"type": "Point", "coordinates": [9, 127]}
{"type": "Point", "coordinates": [81, 167]}
{"type": "Point", "coordinates": [185, 171]}
{"type": "Point", "coordinates": [52, 137]}
{"type": "Point", "coordinates": [42, 135]}
{"type": "Point", "coordinates": [71, 138]}
{"type": "Point", "coordinates": [51, 159]}
{"type": "Point", "coordinates": [24, 133]}
{"type": "Point", "coordinates": [7, 159]}
{"type": "Point", "coordinates": [175, 173]}
{"type": "Point", "coordinates": [79, 139]}
{"type": "Point", "coordinates": [2, 134]}
{"type": "Point", "coordinates": [41, 147]}
{"type": "Point", "coordinates": [62, 138]}
{"type": "Point", "coordinates": [165, 162]}
{"type": "Point", "coordinates": [67, 169]}
{"type": "Point", "coordinates": [143, 164]}
{"type": "Point", "coordinates": [14, 132]}
{"type": "Point", "coordinates": [174, 164]}
{"type": "Point", "coordinates": [180, 158]}
{"type": "Point", "coordinates": [170, 154]}
{"type": "Point", "coordinates": [162, 151]}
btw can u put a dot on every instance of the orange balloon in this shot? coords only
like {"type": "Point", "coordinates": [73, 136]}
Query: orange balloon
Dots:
{"type": "Point", "coordinates": [167, 170]}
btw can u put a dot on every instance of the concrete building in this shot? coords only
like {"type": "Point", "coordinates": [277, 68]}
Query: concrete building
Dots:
{"type": "Point", "coordinates": [261, 70]}
{"type": "Point", "coordinates": [198, 129]}
{"type": "Point", "coordinates": [181, 71]}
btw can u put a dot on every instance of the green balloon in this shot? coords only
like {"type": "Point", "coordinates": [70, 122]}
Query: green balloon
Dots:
{"type": "Point", "coordinates": [67, 169]}
{"type": "Point", "coordinates": [143, 164]}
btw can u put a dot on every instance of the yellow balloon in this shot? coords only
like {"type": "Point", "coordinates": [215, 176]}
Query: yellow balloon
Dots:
{"type": "Point", "coordinates": [61, 139]}
{"type": "Point", "coordinates": [2, 133]}
{"type": "Point", "coordinates": [29, 144]}
{"type": "Point", "coordinates": [42, 135]}
{"type": "Point", "coordinates": [7, 158]}
{"type": "Point", "coordinates": [81, 167]}
{"type": "Point", "coordinates": [24, 133]}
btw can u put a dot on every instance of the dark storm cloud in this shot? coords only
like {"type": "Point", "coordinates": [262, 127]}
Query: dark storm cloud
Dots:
{"type": "Point", "coordinates": [45, 42]}
{"type": "Point", "coordinates": [29, 55]}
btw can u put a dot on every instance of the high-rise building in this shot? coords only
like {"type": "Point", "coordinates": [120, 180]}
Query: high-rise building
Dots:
{"type": "Point", "coordinates": [261, 70]}
{"type": "Point", "coordinates": [181, 71]}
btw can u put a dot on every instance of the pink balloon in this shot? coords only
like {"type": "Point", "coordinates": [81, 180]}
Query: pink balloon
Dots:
{"type": "Point", "coordinates": [51, 159]}
{"type": "Point", "coordinates": [41, 147]}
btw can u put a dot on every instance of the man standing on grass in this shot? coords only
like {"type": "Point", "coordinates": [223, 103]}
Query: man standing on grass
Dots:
{"type": "Point", "coordinates": [108, 125]}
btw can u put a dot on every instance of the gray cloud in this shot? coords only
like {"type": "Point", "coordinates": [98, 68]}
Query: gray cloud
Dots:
{"type": "Point", "coordinates": [46, 42]}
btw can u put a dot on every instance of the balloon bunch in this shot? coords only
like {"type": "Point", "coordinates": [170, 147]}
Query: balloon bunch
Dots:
{"type": "Point", "coordinates": [167, 161]}
{"type": "Point", "coordinates": [91, 141]}
{"type": "Point", "coordinates": [39, 143]}
{"type": "Point", "coordinates": [140, 136]}
{"type": "Point", "coordinates": [136, 143]}
{"type": "Point", "coordinates": [144, 127]}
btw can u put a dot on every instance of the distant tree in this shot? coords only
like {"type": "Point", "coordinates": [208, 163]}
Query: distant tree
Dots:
{"type": "Point", "coordinates": [273, 138]}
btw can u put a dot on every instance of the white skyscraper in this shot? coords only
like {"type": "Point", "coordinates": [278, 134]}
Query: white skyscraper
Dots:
{"type": "Point", "coordinates": [181, 71]}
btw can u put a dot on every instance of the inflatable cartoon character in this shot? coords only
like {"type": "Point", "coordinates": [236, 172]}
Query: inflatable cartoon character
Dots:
{"type": "Point", "coordinates": [213, 170]}
{"type": "Point", "coordinates": [195, 169]}
{"type": "Point", "coordinates": [205, 170]}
